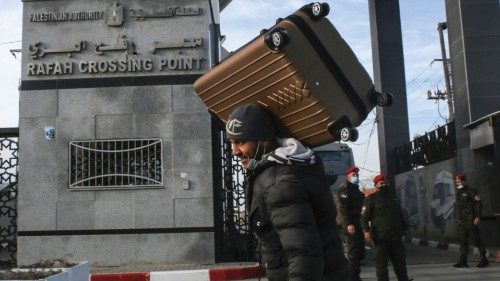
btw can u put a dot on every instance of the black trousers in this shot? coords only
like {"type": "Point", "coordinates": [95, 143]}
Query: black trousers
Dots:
{"type": "Point", "coordinates": [466, 231]}
{"type": "Point", "coordinates": [383, 251]}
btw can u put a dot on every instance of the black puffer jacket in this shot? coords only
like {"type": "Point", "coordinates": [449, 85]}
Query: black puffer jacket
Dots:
{"type": "Point", "coordinates": [293, 216]}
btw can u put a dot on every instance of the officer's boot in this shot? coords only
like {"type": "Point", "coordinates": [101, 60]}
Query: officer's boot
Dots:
{"type": "Point", "coordinates": [461, 263]}
{"type": "Point", "coordinates": [355, 268]}
{"type": "Point", "coordinates": [484, 261]}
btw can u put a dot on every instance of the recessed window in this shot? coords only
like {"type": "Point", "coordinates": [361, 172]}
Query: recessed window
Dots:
{"type": "Point", "coordinates": [105, 164]}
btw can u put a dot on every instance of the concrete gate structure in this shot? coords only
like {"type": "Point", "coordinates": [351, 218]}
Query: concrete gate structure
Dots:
{"type": "Point", "coordinates": [115, 146]}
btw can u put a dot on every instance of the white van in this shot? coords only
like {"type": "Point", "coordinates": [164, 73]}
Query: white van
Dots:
{"type": "Point", "coordinates": [336, 157]}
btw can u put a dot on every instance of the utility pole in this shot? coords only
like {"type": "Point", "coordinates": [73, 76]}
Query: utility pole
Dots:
{"type": "Point", "coordinates": [449, 96]}
{"type": "Point", "coordinates": [436, 95]}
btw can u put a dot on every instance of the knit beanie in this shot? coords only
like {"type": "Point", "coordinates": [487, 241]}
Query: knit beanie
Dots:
{"type": "Point", "coordinates": [250, 122]}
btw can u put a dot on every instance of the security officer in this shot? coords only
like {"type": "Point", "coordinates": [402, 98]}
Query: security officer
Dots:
{"type": "Point", "coordinates": [469, 212]}
{"type": "Point", "coordinates": [350, 201]}
{"type": "Point", "coordinates": [383, 223]}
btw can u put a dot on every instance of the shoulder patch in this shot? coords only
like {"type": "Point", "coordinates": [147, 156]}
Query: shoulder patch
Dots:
{"type": "Point", "coordinates": [477, 198]}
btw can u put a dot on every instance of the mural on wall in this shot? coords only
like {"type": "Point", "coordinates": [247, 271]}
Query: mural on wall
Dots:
{"type": "Point", "coordinates": [443, 199]}
{"type": "Point", "coordinates": [423, 203]}
{"type": "Point", "coordinates": [427, 197]}
{"type": "Point", "coordinates": [409, 202]}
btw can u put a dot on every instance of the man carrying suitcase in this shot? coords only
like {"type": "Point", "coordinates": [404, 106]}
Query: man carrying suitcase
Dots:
{"type": "Point", "coordinates": [350, 202]}
{"type": "Point", "coordinates": [288, 200]}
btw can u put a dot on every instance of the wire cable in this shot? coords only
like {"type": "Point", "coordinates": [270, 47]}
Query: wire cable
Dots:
{"type": "Point", "coordinates": [5, 43]}
{"type": "Point", "coordinates": [364, 169]}
{"type": "Point", "coordinates": [439, 111]}
{"type": "Point", "coordinates": [368, 145]}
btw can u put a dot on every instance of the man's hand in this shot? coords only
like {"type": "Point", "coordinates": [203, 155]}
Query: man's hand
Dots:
{"type": "Point", "coordinates": [351, 229]}
{"type": "Point", "coordinates": [477, 220]}
{"type": "Point", "coordinates": [368, 238]}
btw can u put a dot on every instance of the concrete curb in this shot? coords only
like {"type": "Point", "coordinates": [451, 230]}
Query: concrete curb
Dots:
{"type": "Point", "coordinates": [493, 255]}
{"type": "Point", "coordinates": [214, 274]}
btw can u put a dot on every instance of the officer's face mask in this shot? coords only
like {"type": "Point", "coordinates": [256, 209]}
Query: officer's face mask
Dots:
{"type": "Point", "coordinates": [354, 180]}
{"type": "Point", "coordinates": [382, 186]}
{"type": "Point", "coordinates": [460, 186]}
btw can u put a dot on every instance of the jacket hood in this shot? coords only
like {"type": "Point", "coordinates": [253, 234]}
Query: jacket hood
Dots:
{"type": "Point", "coordinates": [291, 152]}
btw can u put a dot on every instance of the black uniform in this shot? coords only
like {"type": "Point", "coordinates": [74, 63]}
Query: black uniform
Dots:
{"type": "Point", "coordinates": [387, 227]}
{"type": "Point", "coordinates": [469, 207]}
{"type": "Point", "coordinates": [350, 200]}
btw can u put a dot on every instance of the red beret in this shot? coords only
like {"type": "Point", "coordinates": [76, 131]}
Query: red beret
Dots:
{"type": "Point", "coordinates": [378, 178]}
{"type": "Point", "coordinates": [461, 177]}
{"type": "Point", "coordinates": [351, 169]}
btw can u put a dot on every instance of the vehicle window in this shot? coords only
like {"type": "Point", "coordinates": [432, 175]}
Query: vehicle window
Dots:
{"type": "Point", "coordinates": [335, 162]}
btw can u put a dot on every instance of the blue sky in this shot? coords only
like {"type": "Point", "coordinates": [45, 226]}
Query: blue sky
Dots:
{"type": "Point", "coordinates": [243, 19]}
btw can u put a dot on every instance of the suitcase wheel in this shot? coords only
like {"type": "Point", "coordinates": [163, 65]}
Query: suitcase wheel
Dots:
{"type": "Point", "coordinates": [317, 10]}
{"type": "Point", "coordinates": [348, 134]}
{"type": "Point", "coordinates": [276, 39]}
{"type": "Point", "coordinates": [384, 99]}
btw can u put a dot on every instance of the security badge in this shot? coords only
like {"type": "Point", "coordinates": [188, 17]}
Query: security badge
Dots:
{"type": "Point", "coordinates": [343, 192]}
{"type": "Point", "coordinates": [477, 198]}
{"type": "Point", "coordinates": [363, 210]}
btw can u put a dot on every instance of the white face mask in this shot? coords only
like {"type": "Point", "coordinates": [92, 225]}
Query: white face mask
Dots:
{"type": "Point", "coordinates": [354, 180]}
{"type": "Point", "coordinates": [460, 186]}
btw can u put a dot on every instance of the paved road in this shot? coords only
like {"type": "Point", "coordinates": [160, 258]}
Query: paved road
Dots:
{"type": "Point", "coordinates": [424, 264]}
{"type": "Point", "coordinates": [430, 264]}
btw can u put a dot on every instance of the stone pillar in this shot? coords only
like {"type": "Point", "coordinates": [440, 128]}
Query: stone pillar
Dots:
{"type": "Point", "coordinates": [389, 77]}
{"type": "Point", "coordinates": [115, 72]}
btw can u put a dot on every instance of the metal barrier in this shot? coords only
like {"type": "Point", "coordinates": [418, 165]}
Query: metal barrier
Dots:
{"type": "Point", "coordinates": [433, 147]}
{"type": "Point", "coordinates": [9, 140]}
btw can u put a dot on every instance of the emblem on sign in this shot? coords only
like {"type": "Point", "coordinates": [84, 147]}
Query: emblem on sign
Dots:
{"type": "Point", "coordinates": [114, 14]}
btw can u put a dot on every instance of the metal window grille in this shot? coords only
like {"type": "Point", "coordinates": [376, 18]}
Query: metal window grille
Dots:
{"type": "Point", "coordinates": [103, 164]}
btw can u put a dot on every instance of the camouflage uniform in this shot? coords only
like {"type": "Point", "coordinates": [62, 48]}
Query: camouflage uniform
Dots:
{"type": "Point", "coordinates": [350, 202]}
{"type": "Point", "coordinates": [382, 217]}
{"type": "Point", "coordinates": [469, 207]}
